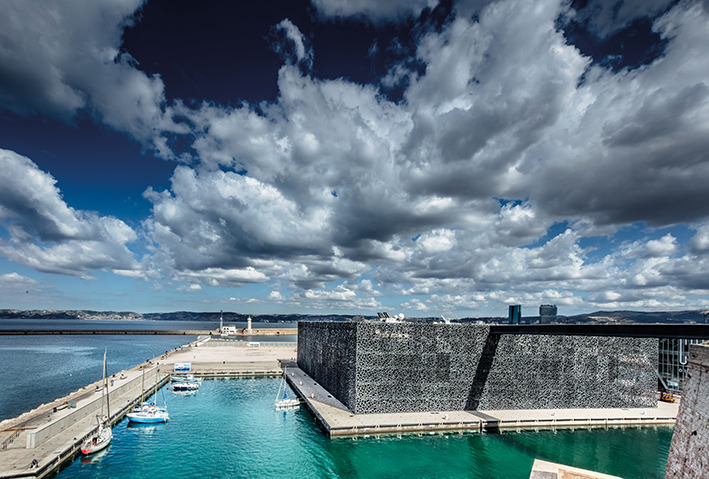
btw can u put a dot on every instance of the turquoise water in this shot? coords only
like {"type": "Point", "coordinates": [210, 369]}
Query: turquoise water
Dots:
{"type": "Point", "coordinates": [229, 429]}
{"type": "Point", "coordinates": [39, 369]}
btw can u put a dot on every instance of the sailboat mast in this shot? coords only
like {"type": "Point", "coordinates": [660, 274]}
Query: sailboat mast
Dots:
{"type": "Point", "coordinates": [105, 389]}
{"type": "Point", "coordinates": [142, 389]}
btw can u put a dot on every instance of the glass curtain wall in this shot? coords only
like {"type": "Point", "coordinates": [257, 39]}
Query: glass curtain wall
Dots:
{"type": "Point", "coordinates": [672, 361]}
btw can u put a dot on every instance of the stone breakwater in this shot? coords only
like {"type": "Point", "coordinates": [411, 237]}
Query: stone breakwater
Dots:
{"type": "Point", "coordinates": [148, 332]}
{"type": "Point", "coordinates": [374, 367]}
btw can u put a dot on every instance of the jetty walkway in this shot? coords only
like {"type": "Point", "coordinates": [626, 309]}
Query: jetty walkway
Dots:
{"type": "Point", "coordinates": [337, 420]}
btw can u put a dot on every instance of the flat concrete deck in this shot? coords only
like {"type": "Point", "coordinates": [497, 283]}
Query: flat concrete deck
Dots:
{"type": "Point", "coordinates": [235, 360]}
{"type": "Point", "coordinates": [337, 420]}
{"type": "Point", "coordinates": [549, 470]}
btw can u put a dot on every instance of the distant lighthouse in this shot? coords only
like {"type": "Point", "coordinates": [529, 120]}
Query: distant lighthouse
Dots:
{"type": "Point", "coordinates": [248, 324]}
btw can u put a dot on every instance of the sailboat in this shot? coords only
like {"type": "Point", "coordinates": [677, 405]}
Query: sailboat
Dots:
{"type": "Point", "coordinates": [285, 402]}
{"type": "Point", "coordinates": [101, 438]}
{"type": "Point", "coordinates": [149, 413]}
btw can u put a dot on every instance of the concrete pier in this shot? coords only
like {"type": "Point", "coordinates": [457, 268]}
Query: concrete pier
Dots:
{"type": "Point", "coordinates": [550, 470]}
{"type": "Point", "coordinates": [337, 420]}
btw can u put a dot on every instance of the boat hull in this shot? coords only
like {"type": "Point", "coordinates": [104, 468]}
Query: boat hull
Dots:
{"type": "Point", "coordinates": [287, 404]}
{"type": "Point", "coordinates": [143, 419]}
{"type": "Point", "coordinates": [185, 387]}
{"type": "Point", "coordinates": [103, 439]}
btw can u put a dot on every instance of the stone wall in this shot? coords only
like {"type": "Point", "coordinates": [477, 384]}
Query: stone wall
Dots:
{"type": "Point", "coordinates": [375, 367]}
{"type": "Point", "coordinates": [689, 450]}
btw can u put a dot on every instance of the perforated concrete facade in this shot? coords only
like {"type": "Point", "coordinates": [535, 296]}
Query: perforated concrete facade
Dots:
{"type": "Point", "coordinates": [375, 367]}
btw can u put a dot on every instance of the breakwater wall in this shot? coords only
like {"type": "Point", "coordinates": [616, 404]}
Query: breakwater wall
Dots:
{"type": "Point", "coordinates": [91, 406]}
{"type": "Point", "coordinates": [374, 367]}
{"type": "Point", "coordinates": [150, 332]}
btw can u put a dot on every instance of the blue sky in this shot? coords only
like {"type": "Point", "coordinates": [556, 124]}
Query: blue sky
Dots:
{"type": "Point", "coordinates": [327, 156]}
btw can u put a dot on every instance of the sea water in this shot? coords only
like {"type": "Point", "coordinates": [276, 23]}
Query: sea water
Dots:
{"type": "Point", "coordinates": [37, 369]}
{"type": "Point", "coordinates": [230, 429]}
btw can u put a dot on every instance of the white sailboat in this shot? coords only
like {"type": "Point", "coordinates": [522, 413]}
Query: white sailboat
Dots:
{"type": "Point", "coordinates": [285, 402]}
{"type": "Point", "coordinates": [149, 413]}
{"type": "Point", "coordinates": [101, 438]}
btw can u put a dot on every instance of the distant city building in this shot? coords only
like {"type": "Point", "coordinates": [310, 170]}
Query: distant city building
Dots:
{"type": "Point", "coordinates": [228, 330]}
{"type": "Point", "coordinates": [547, 313]}
{"type": "Point", "coordinates": [515, 313]}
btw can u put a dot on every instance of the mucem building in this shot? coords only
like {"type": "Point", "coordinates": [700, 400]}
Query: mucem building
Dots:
{"type": "Point", "coordinates": [377, 367]}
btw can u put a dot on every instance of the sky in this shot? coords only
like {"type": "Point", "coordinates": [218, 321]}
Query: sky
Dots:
{"type": "Point", "coordinates": [422, 157]}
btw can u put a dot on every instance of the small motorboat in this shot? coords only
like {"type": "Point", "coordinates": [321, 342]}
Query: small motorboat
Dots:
{"type": "Point", "coordinates": [184, 386]}
{"type": "Point", "coordinates": [182, 379]}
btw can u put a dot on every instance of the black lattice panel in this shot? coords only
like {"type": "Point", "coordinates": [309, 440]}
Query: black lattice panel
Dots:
{"type": "Point", "coordinates": [374, 367]}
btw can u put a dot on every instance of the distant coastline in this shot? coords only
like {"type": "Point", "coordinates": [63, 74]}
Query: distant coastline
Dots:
{"type": "Point", "coordinates": [601, 317]}
{"type": "Point", "coordinates": [51, 314]}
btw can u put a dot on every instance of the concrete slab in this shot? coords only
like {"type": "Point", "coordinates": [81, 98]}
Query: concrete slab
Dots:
{"type": "Point", "coordinates": [337, 420]}
{"type": "Point", "coordinates": [550, 470]}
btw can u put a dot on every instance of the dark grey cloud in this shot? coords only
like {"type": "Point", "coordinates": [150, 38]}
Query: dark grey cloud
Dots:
{"type": "Point", "coordinates": [448, 196]}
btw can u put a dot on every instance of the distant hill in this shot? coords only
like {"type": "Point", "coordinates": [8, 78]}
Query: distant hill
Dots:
{"type": "Point", "coordinates": [638, 317]}
{"type": "Point", "coordinates": [619, 317]}
{"type": "Point", "coordinates": [174, 316]}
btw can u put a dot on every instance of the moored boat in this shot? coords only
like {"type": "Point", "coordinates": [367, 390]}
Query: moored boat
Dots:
{"type": "Point", "coordinates": [149, 413]}
{"type": "Point", "coordinates": [98, 441]}
{"type": "Point", "coordinates": [185, 386]}
{"type": "Point", "coordinates": [188, 378]}
{"type": "Point", "coordinates": [101, 438]}
{"type": "Point", "coordinates": [285, 402]}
